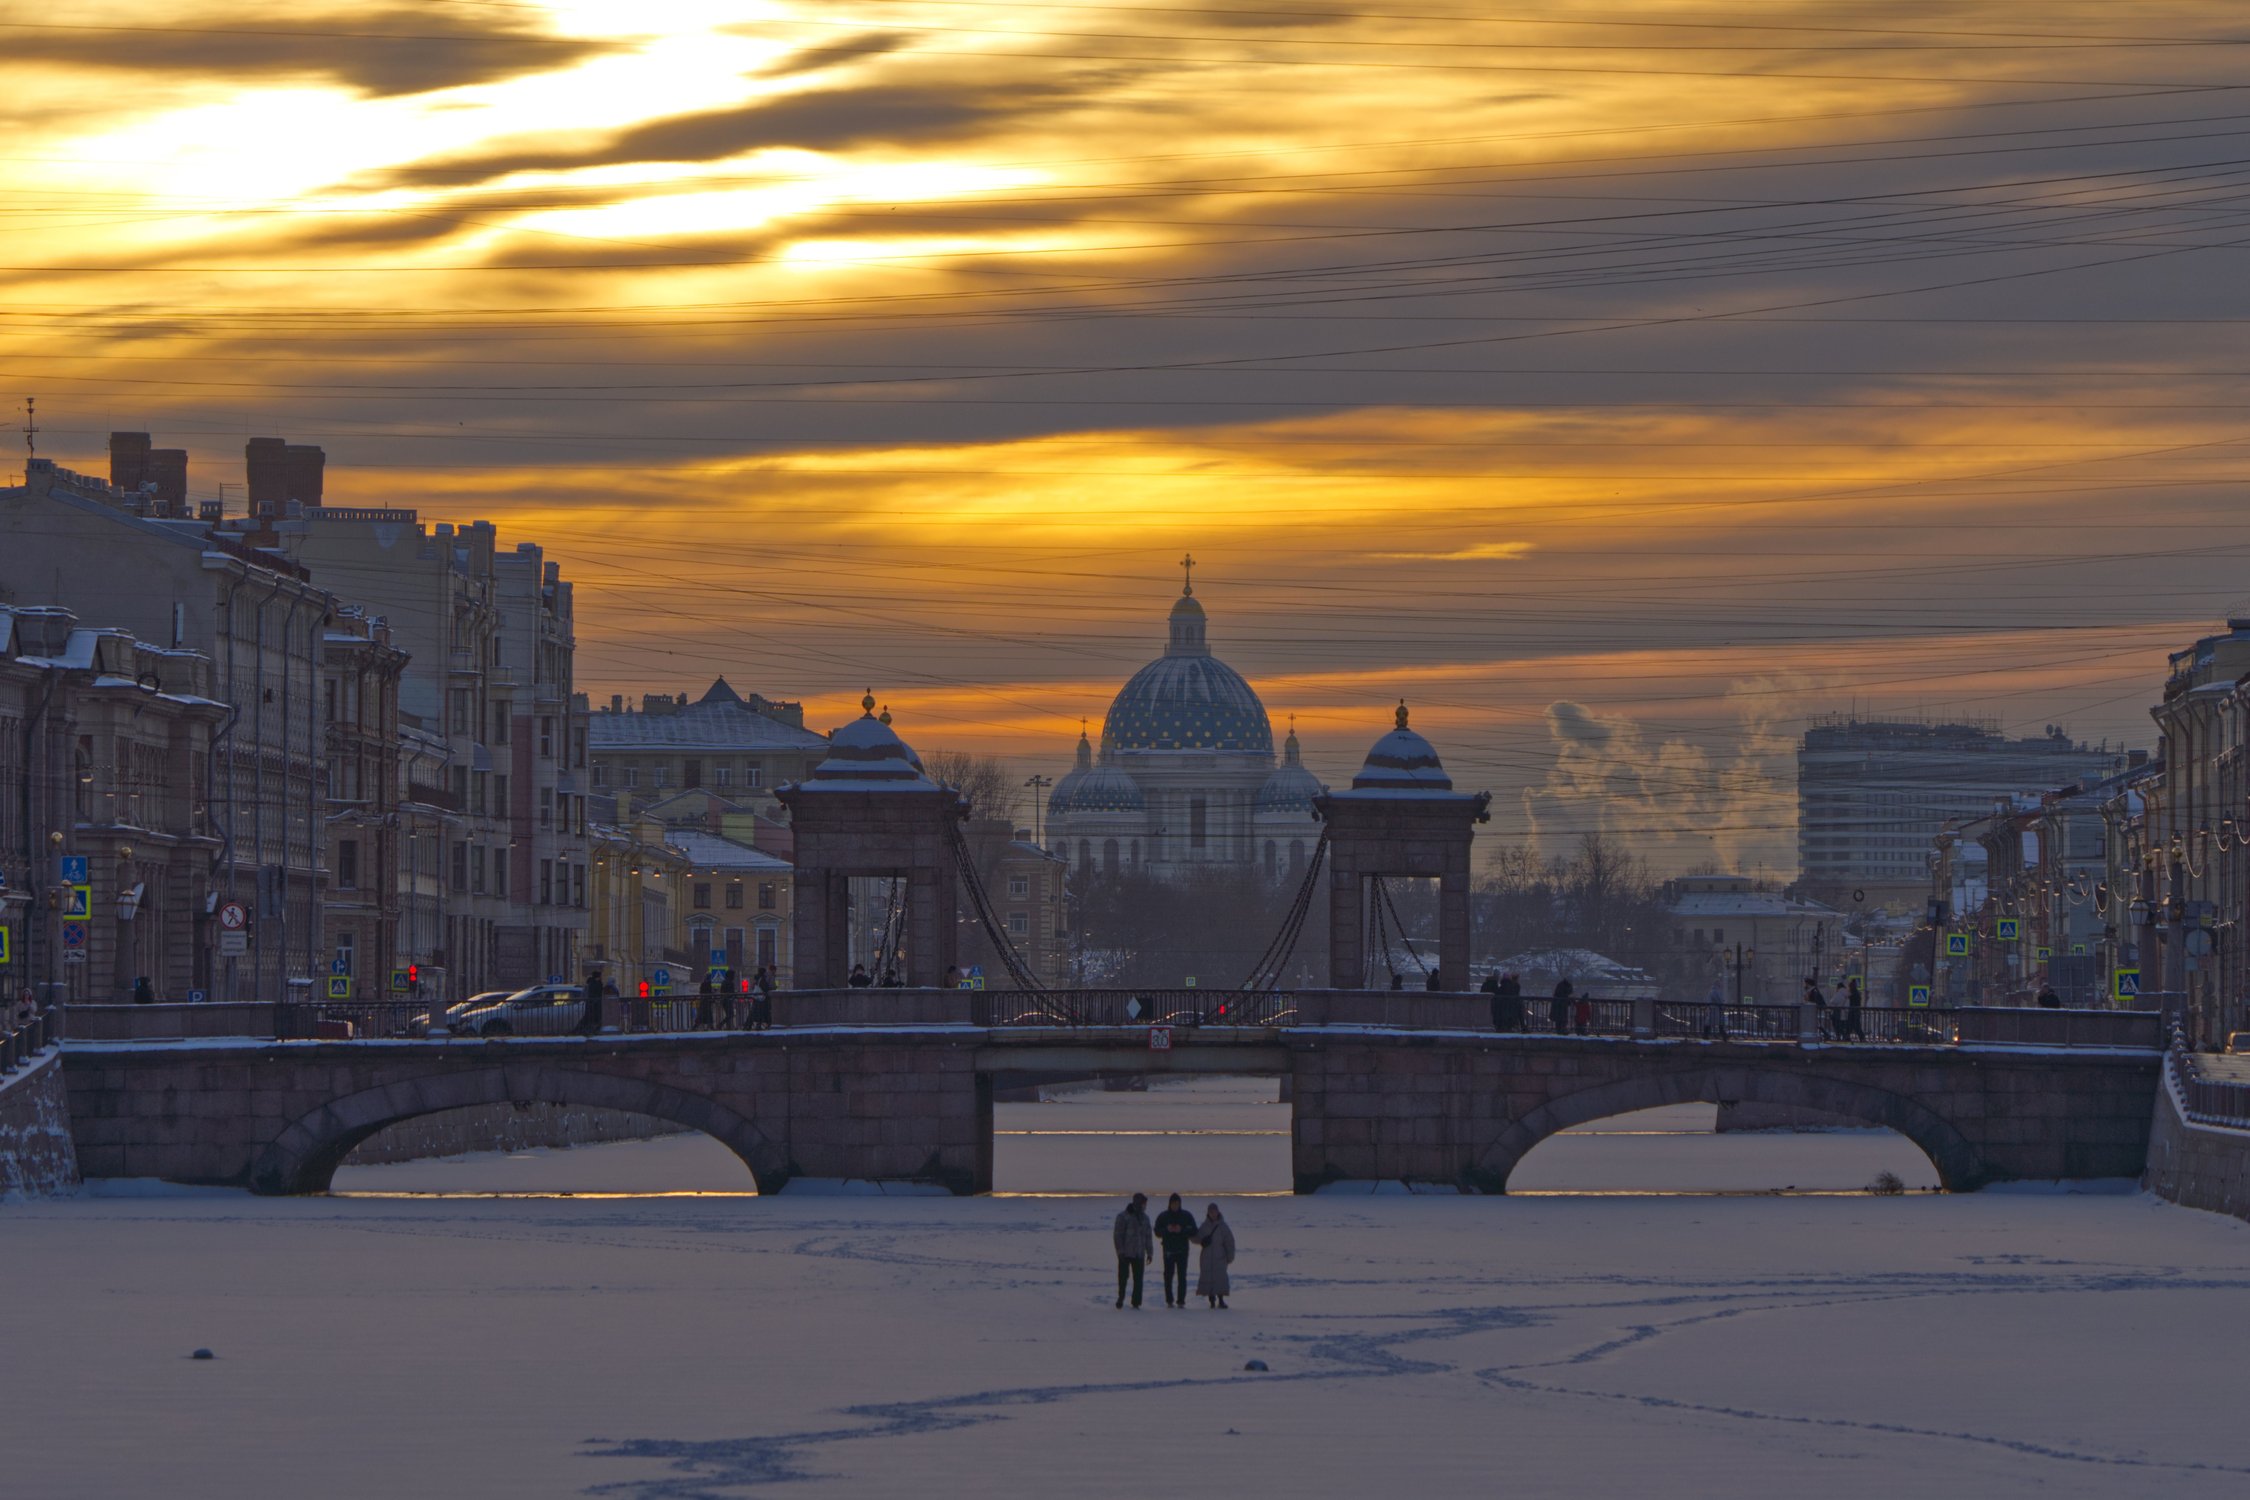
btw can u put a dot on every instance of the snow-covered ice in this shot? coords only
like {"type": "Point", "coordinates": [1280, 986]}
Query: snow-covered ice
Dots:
{"type": "Point", "coordinates": [660, 1348]}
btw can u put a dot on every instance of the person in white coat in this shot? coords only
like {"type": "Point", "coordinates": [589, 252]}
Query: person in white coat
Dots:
{"type": "Point", "coordinates": [1217, 1240]}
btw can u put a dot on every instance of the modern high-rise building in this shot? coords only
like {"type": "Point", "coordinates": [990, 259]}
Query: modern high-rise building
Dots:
{"type": "Point", "coordinates": [1871, 794]}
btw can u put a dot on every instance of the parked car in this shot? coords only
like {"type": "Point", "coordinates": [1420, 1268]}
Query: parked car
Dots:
{"type": "Point", "coordinates": [541, 1010]}
{"type": "Point", "coordinates": [420, 1025]}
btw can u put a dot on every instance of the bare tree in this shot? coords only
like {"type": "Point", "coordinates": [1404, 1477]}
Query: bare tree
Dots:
{"type": "Point", "coordinates": [985, 780]}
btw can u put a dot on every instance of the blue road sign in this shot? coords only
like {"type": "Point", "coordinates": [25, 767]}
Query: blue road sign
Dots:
{"type": "Point", "coordinates": [74, 869]}
{"type": "Point", "coordinates": [1917, 994]}
{"type": "Point", "coordinates": [2008, 929]}
{"type": "Point", "coordinates": [74, 935]}
{"type": "Point", "coordinates": [660, 978]}
{"type": "Point", "coordinates": [2125, 984]}
{"type": "Point", "coordinates": [339, 966]}
{"type": "Point", "coordinates": [1956, 945]}
{"type": "Point", "coordinates": [197, 997]}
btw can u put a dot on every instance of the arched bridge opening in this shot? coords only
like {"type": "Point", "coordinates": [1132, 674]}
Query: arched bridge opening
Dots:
{"type": "Point", "coordinates": [304, 1157]}
{"type": "Point", "coordinates": [1959, 1165]}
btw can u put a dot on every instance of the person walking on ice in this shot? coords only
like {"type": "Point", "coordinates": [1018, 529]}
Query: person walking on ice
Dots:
{"type": "Point", "coordinates": [1176, 1228]}
{"type": "Point", "coordinates": [1133, 1240]}
{"type": "Point", "coordinates": [1217, 1240]}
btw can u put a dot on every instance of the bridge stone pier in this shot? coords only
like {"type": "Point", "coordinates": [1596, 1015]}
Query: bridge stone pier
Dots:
{"type": "Point", "coordinates": [911, 1100]}
{"type": "Point", "coordinates": [280, 1117]}
{"type": "Point", "coordinates": [1463, 1111]}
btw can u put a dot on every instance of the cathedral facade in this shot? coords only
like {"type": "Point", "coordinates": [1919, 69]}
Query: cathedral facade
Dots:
{"type": "Point", "coordinates": [1185, 779]}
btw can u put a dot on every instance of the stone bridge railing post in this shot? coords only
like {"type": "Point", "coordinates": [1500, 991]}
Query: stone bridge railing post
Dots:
{"type": "Point", "coordinates": [1644, 1017]}
{"type": "Point", "coordinates": [1808, 1022]}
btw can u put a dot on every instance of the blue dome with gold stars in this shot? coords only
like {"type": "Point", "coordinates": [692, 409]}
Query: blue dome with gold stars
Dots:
{"type": "Point", "coordinates": [1187, 699]}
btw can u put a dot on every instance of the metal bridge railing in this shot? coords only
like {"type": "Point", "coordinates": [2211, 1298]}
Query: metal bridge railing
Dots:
{"type": "Point", "coordinates": [2205, 1101]}
{"type": "Point", "coordinates": [1089, 1008]}
{"type": "Point", "coordinates": [20, 1043]}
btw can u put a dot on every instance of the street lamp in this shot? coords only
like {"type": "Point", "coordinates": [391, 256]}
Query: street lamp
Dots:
{"type": "Point", "coordinates": [1038, 784]}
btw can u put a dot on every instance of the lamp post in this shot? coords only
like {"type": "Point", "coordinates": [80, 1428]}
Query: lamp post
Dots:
{"type": "Point", "coordinates": [1038, 785]}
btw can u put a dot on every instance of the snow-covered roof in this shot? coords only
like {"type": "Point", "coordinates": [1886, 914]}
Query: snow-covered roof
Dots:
{"type": "Point", "coordinates": [1746, 904]}
{"type": "Point", "coordinates": [716, 724]}
{"type": "Point", "coordinates": [710, 851]}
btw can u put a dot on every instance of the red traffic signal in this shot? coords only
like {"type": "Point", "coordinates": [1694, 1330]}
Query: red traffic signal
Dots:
{"type": "Point", "coordinates": [644, 989]}
{"type": "Point", "coordinates": [413, 974]}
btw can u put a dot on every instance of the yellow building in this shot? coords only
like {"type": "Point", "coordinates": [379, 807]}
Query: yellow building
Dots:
{"type": "Point", "coordinates": [637, 892]}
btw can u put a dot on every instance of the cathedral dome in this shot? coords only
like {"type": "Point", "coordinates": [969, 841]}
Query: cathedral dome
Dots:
{"type": "Point", "coordinates": [1290, 790]}
{"type": "Point", "coordinates": [1187, 699]}
{"type": "Point", "coordinates": [1093, 790]}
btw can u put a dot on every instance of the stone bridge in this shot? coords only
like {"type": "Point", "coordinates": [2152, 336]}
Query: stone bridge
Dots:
{"type": "Point", "coordinates": [913, 1102]}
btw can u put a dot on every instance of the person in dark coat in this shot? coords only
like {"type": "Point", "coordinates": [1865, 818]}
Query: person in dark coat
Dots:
{"type": "Point", "coordinates": [143, 992]}
{"type": "Point", "coordinates": [590, 1005]}
{"type": "Point", "coordinates": [1512, 1015]}
{"type": "Point", "coordinates": [1819, 1002]}
{"type": "Point", "coordinates": [1431, 983]}
{"type": "Point", "coordinates": [1133, 1239]}
{"type": "Point", "coordinates": [1175, 1228]}
{"type": "Point", "coordinates": [1398, 980]}
{"type": "Point", "coordinates": [1491, 987]}
{"type": "Point", "coordinates": [1211, 1279]}
{"type": "Point", "coordinates": [761, 1008]}
{"type": "Point", "coordinates": [1558, 1008]}
{"type": "Point", "coordinates": [2048, 999]}
{"type": "Point", "coordinates": [706, 1001]}
{"type": "Point", "coordinates": [1854, 1003]}
{"type": "Point", "coordinates": [861, 979]}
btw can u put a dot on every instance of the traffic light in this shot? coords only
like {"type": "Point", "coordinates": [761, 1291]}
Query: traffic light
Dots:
{"type": "Point", "coordinates": [644, 989]}
{"type": "Point", "coordinates": [413, 975]}
{"type": "Point", "coordinates": [742, 986]}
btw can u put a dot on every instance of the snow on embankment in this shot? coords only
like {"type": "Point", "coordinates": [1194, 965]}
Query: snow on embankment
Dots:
{"type": "Point", "coordinates": [2196, 1165]}
{"type": "Point", "coordinates": [37, 1157]}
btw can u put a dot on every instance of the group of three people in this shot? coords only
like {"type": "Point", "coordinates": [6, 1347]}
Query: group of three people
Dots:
{"type": "Point", "coordinates": [1135, 1239]}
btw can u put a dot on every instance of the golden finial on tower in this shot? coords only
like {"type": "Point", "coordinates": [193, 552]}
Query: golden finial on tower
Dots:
{"type": "Point", "coordinates": [885, 716]}
{"type": "Point", "coordinates": [867, 704]}
{"type": "Point", "coordinates": [1402, 713]}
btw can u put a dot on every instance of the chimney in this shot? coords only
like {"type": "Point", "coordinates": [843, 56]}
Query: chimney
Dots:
{"type": "Point", "coordinates": [167, 470]}
{"type": "Point", "coordinates": [617, 703]}
{"type": "Point", "coordinates": [266, 463]}
{"type": "Point", "coordinates": [128, 460]}
{"type": "Point", "coordinates": [307, 467]}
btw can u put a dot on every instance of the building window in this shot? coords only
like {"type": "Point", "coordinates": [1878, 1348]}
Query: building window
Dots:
{"type": "Point", "coordinates": [1198, 821]}
{"type": "Point", "coordinates": [578, 885]}
{"type": "Point", "coordinates": [657, 778]}
{"type": "Point", "coordinates": [765, 895]}
{"type": "Point", "coordinates": [546, 882]}
{"type": "Point", "coordinates": [725, 775]}
{"type": "Point", "coordinates": [546, 737]}
{"type": "Point", "coordinates": [330, 687]}
{"type": "Point", "coordinates": [601, 774]}
{"type": "Point", "coordinates": [347, 952]}
{"type": "Point", "coordinates": [753, 774]}
{"type": "Point", "coordinates": [461, 868]}
{"type": "Point", "coordinates": [767, 944]}
{"type": "Point", "coordinates": [500, 723]}
{"type": "Point", "coordinates": [500, 794]}
{"type": "Point", "coordinates": [347, 864]}
{"type": "Point", "coordinates": [632, 776]}
{"type": "Point", "coordinates": [691, 774]}
{"type": "Point", "coordinates": [734, 895]}
{"type": "Point", "coordinates": [476, 870]}
{"type": "Point", "coordinates": [1019, 924]}
{"type": "Point", "coordinates": [1019, 886]}
{"type": "Point", "coordinates": [578, 747]}
{"type": "Point", "coordinates": [703, 895]}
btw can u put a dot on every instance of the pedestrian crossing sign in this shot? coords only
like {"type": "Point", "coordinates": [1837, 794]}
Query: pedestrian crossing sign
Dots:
{"type": "Point", "coordinates": [1917, 994]}
{"type": "Point", "coordinates": [2045, 952]}
{"type": "Point", "coordinates": [78, 903]}
{"type": "Point", "coordinates": [2008, 929]}
{"type": "Point", "coordinates": [399, 982]}
{"type": "Point", "coordinates": [2077, 950]}
{"type": "Point", "coordinates": [5, 956]}
{"type": "Point", "coordinates": [339, 986]}
{"type": "Point", "coordinates": [2125, 984]}
{"type": "Point", "coordinates": [1956, 945]}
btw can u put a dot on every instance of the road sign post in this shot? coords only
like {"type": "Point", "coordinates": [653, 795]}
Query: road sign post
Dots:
{"type": "Point", "coordinates": [1160, 1039]}
{"type": "Point", "coordinates": [2125, 984]}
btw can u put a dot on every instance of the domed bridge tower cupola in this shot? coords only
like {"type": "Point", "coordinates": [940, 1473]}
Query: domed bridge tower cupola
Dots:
{"type": "Point", "coordinates": [869, 809]}
{"type": "Point", "coordinates": [1400, 816]}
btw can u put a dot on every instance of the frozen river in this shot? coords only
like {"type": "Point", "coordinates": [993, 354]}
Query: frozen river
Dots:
{"type": "Point", "coordinates": [1594, 1343]}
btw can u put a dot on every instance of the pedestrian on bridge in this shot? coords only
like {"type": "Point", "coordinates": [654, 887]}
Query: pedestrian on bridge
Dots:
{"type": "Point", "coordinates": [1176, 1228]}
{"type": "Point", "coordinates": [1133, 1239]}
{"type": "Point", "coordinates": [590, 1004]}
{"type": "Point", "coordinates": [1558, 1007]}
{"type": "Point", "coordinates": [1854, 1003]}
{"type": "Point", "coordinates": [1819, 1003]}
{"type": "Point", "coordinates": [707, 1000]}
{"type": "Point", "coordinates": [1217, 1240]}
{"type": "Point", "coordinates": [761, 1009]}
{"type": "Point", "coordinates": [1715, 1009]}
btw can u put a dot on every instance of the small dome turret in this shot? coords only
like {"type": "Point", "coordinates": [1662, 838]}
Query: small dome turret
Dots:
{"type": "Point", "coordinates": [1290, 790]}
{"type": "Point", "coordinates": [1402, 761]}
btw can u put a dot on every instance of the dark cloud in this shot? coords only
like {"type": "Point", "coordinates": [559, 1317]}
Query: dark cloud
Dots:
{"type": "Point", "coordinates": [816, 120]}
{"type": "Point", "coordinates": [851, 49]}
{"type": "Point", "coordinates": [378, 52]}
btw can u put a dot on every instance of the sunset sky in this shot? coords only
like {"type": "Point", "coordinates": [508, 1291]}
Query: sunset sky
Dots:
{"type": "Point", "coordinates": [1622, 383]}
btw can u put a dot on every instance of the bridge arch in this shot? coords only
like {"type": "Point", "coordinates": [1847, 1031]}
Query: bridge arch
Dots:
{"type": "Point", "coordinates": [305, 1155]}
{"type": "Point", "coordinates": [1960, 1166]}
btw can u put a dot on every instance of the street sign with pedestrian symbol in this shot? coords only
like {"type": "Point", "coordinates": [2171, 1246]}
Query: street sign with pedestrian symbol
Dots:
{"type": "Point", "coordinates": [2008, 929]}
{"type": "Point", "coordinates": [400, 984]}
{"type": "Point", "coordinates": [1917, 994]}
{"type": "Point", "coordinates": [340, 987]}
{"type": "Point", "coordinates": [1956, 945]}
{"type": "Point", "coordinates": [2045, 952]}
{"type": "Point", "coordinates": [2125, 984]}
{"type": "Point", "coordinates": [4, 954]}
{"type": "Point", "coordinates": [78, 903]}
{"type": "Point", "coordinates": [233, 917]}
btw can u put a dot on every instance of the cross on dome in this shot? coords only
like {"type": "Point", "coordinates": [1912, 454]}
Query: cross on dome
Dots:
{"type": "Point", "coordinates": [1187, 566]}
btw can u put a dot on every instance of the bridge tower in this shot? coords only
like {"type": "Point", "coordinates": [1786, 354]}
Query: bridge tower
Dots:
{"type": "Point", "coordinates": [1400, 816]}
{"type": "Point", "coordinates": [870, 809]}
